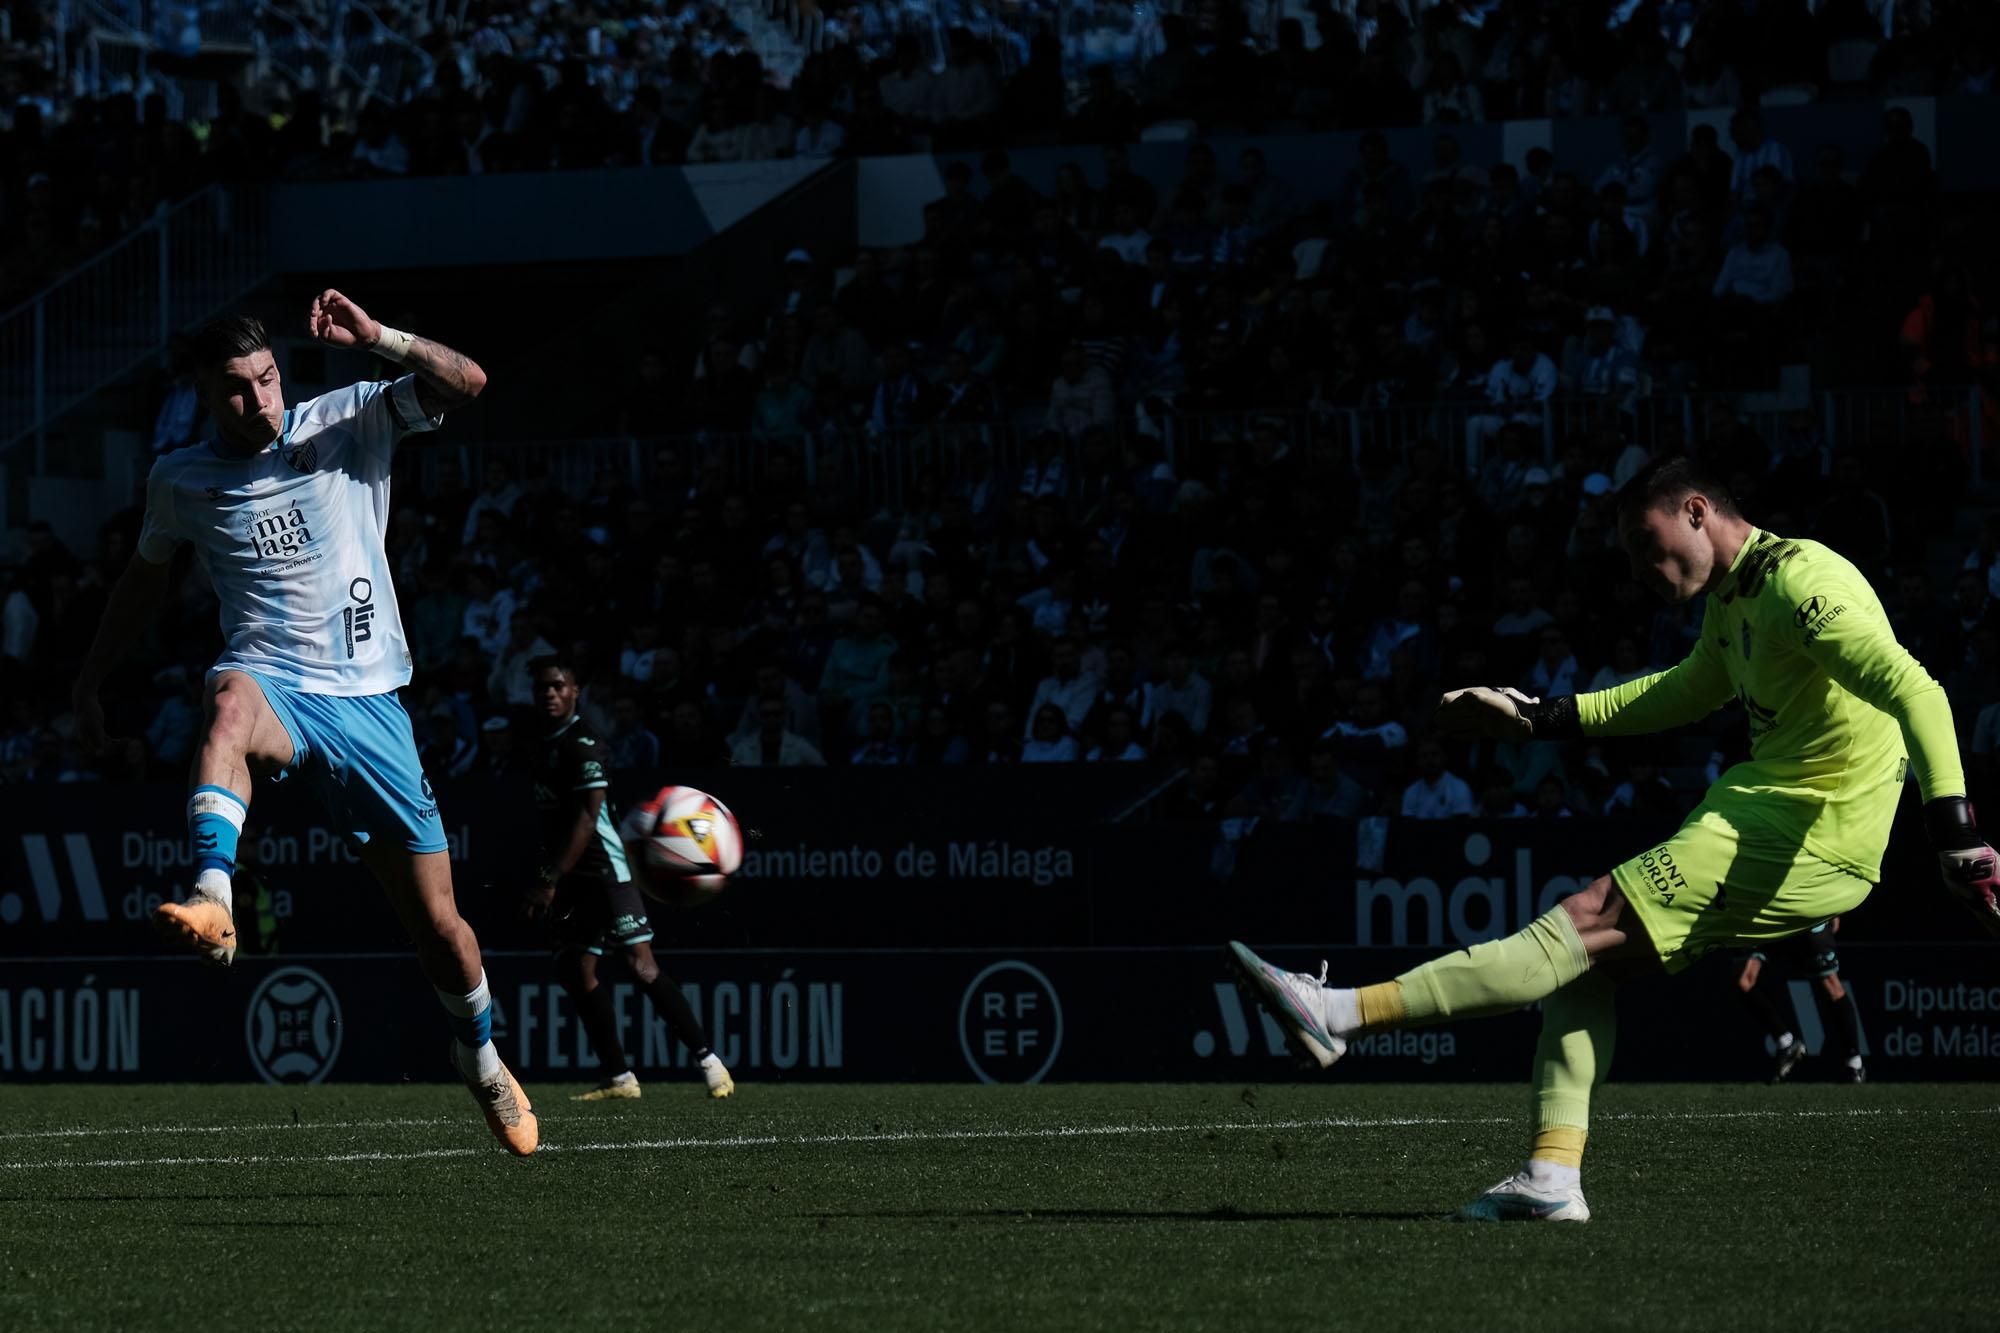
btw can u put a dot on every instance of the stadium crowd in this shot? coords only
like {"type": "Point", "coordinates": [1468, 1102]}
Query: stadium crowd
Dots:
{"type": "Point", "coordinates": [1268, 618]}
{"type": "Point", "coordinates": [500, 86]}
{"type": "Point", "coordinates": [1145, 533]}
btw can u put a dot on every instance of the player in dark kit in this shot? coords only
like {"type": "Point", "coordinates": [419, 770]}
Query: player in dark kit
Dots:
{"type": "Point", "coordinates": [1811, 954]}
{"type": "Point", "coordinates": [587, 895]}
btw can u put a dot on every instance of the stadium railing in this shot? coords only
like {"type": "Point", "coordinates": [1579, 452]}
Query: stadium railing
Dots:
{"type": "Point", "coordinates": [105, 318]}
{"type": "Point", "coordinates": [886, 471]}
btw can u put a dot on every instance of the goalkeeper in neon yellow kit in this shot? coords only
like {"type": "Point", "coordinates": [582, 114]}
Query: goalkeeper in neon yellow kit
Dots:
{"type": "Point", "coordinates": [1837, 709]}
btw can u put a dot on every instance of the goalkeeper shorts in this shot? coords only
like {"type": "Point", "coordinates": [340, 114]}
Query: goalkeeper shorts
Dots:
{"type": "Point", "coordinates": [1713, 885]}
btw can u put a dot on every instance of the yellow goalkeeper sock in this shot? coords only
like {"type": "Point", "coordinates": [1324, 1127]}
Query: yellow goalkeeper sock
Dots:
{"type": "Point", "coordinates": [1560, 1144]}
{"type": "Point", "coordinates": [1497, 976]}
{"type": "Point", "coordinates": [1381, 1005]}
{"type": "Point", "coordinates": [1572, 1056]}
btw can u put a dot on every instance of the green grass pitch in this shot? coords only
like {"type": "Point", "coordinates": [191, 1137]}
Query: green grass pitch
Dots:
{"type": "Point", "coordinates": [1317, 1205]}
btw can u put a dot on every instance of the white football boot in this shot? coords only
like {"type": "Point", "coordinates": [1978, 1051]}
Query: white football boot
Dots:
{"type": "Point", "coordinates": [1297, 1000]}
{"type": "Point", "coordinates": [1520, 1198]}
{"type": "Point", "coordinates": [717, 1078]}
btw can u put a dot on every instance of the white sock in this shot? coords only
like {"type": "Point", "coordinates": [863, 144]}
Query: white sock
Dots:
{"type": "Point", "coordinates": [1786, 1039]}
{"type": "Point", "coordinates": [1546, 1175]}
{"type": "Point", "coordinates": [1340, 1010]}
{"type": "Point", "coordinates": [1854, 1062]}
{"type": "Point", "coordinates": [215, 884]}
{"type": "Point", "coordinates": [479, 1061]}
{"type": "Point", "coordinates": [481, 1064]}
{"type": "Point", "coordinates": [627, 1077]}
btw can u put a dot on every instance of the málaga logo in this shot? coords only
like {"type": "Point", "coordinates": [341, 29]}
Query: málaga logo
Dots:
{"type": "Point", "coordinates": [276, 534]}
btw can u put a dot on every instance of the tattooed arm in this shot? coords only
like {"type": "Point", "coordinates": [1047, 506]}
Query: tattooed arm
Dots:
{"type": "Point", "coordinates": [445, 378]}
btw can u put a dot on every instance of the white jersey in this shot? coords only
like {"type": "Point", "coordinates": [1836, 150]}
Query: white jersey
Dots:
{"type": "Point", "coordinates": [292, 539]}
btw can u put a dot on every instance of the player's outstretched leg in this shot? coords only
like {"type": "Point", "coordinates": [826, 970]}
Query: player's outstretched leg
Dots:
{"type": "Point", "coordinates": [1491, 978]}
{"type": "Point", "coordinates": [577, 970]}
{"type": "Point", "coordinates": [673, 1006]}
{"type": "Point", "coordinates": [1551, 960]}
{"type": "Point", "coordinates": [419, 886]}
{"type": "Point", "coordinates": [240, 729]}
{"type": "Point", "coordinates": [1572, 1056]}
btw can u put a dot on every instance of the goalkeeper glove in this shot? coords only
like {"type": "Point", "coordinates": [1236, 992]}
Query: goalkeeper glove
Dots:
{"type": "Point", "coordinates": [1506, 714]}
{"type": "Point", "coordinates": [1970, 867]}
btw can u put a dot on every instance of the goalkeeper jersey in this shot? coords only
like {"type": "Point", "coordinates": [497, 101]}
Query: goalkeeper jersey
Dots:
{"type": "Point", "coordinates": [1837, 708]}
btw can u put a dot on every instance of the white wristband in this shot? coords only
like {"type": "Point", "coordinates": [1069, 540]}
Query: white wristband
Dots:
{"type": "Point", "coordinates": [393, 345]}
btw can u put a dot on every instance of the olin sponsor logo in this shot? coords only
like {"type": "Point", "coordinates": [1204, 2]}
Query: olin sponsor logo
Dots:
{"type": "Point", "coordinates": [357, 620]}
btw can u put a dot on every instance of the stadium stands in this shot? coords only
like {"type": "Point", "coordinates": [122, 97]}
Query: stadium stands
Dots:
{"type": "Point", "coordinates": [1239, 470]}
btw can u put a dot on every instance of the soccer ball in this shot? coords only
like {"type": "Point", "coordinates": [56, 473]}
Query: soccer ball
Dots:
{"type": "Point", "coordinates": [686, 845]}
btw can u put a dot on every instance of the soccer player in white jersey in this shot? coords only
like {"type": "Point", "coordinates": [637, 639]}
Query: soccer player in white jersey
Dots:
{"type": "Point", "coordinates": [286, 509]}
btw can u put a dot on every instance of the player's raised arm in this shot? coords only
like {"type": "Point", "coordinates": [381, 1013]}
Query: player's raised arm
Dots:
{"type": "Point", "coordinates": [445, 378]}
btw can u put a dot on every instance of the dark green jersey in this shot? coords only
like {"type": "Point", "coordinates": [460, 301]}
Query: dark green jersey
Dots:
{"type": "Point", "coordinates": [572, 763]}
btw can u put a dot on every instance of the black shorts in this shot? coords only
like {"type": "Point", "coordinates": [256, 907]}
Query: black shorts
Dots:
{"type": "Point", "coordinates": [1810, 952]}
{"type": "Point", "coordinates": [591, 914]}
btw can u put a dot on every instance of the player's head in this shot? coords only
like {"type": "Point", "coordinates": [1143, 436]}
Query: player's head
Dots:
{"type": "Point", "coordinates": [555, 687]}
{"type": "Point", "coordinates": [1672, 517]}
{"type": "Point", "coordinates": [237, 379]}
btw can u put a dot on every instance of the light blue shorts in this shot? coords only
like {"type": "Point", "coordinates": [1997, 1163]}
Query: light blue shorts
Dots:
{"type": "Point", "coordinates": [360, 755]}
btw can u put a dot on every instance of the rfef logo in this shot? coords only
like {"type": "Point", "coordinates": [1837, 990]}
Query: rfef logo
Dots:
{"type": "Point", "coordinates": [292, 1026]}
{"type": "Point", "coordinates": [1010, 1024]}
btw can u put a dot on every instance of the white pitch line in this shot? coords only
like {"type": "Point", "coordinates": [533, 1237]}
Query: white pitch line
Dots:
{"type": "Point", "coordinates": [777, 1140]}
{"type": "Point", "coordinates": [281, 1126]}
{"type": "Point", "coordinates": [273, 1127]}
{"type": "Point", "coordinates": [945, 1136]}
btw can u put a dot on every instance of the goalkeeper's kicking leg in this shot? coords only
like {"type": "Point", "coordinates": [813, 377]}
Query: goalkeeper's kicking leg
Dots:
{"type": "Point", "coordinates": [1560, 959]}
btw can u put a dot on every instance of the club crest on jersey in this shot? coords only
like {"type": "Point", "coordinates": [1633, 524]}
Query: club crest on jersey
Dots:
{"type": "Point", "coordinates": [302, 458]}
